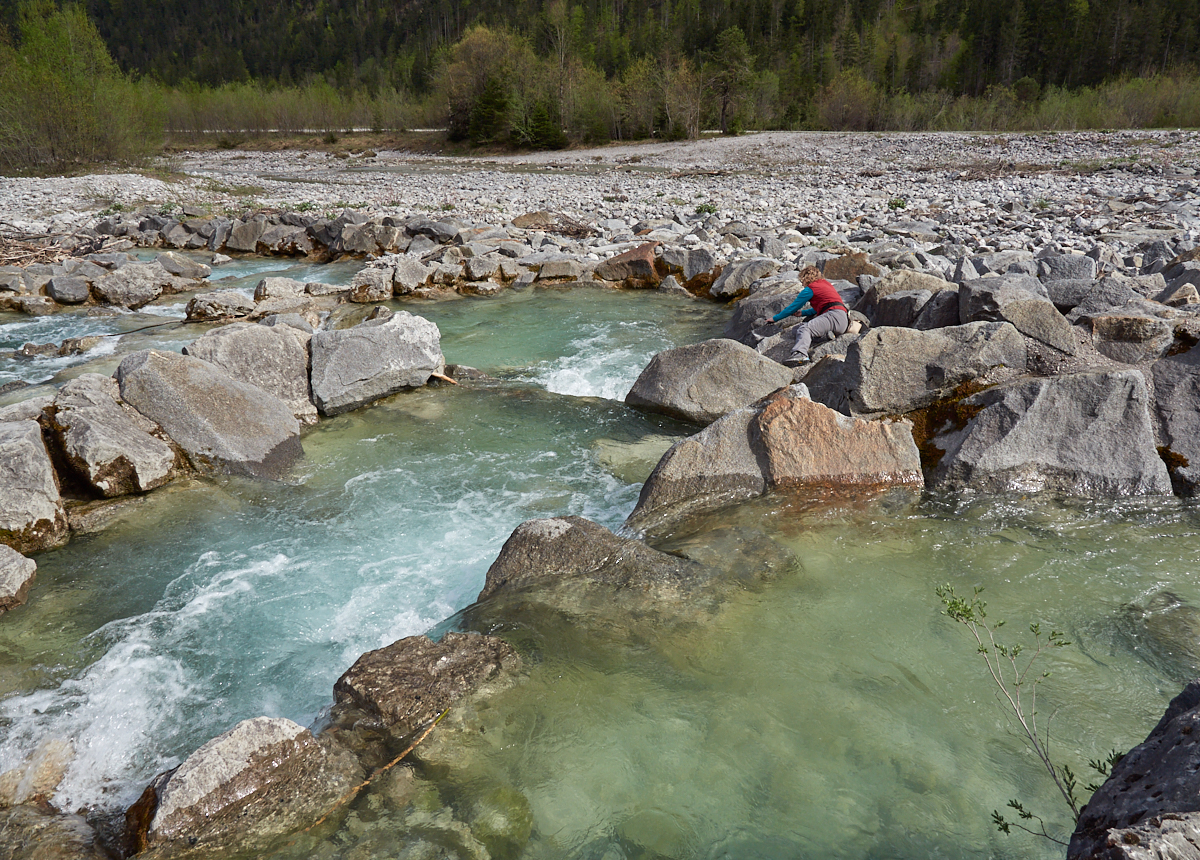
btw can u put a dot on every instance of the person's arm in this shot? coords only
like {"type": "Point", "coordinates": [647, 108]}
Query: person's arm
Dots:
{"type": "Point", "coordinates": [802, 299]}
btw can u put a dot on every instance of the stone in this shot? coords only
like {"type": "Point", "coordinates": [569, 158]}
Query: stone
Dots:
{"type": "Point", "coordinates": [244, 235]}
{"type": "Point", "coordinates": [1132, 338]}
{"type": "Point", "coordinates": [1177, 406]}
{"type": "Point", "coordinates": [1149, 807]}
{"type": "Point", "coordinates": [409, 275]}
{"type": "Point", "coordinates": [700, 261]}
{"type": "Point", "coordinates": [636, 264]}
{"type": "Point", "coordinates": [410, 682]}
{"type": "Point", "coordinates": [1101, 297]}
{"type": "Point", "coordinates": [271, 357]}
{"type": "Point", "coordinates": [35, 306]}
{"type": "Point", "coordinates": [371, 286]}
{"type": "Point", "coordinates": [220, 305]}
{"type": "Point", "coordinates": [356, 366]}
{"type": "Point", "coordinates": [30, 832]}
{"type": "Point", "coordinates": [766, 446]}
{"type": "Point", "coordinates": [899, 281]}
{"type": "Point", "coordinates": [1020, 300]}
{"type": "Point", "coordinates": [184, 267]}
{"type": "Point", "coordinates": [560, 270]}
{"type": "Point", "coordinates": [222, 424]}
{"type": "Point", "coordinates": [540, 220]}
{"type": "Point", "coordinates": [16, 577]}
{"type": "Point", "coordinates": [278, 288]}
{"type": "Point", "coordinates": [1068, 293]}
{"type": "Point", "coordinates": [35, 779]}
{"type": "Point", "coordinates": [80, 345]}
{"type": "Point", "coordinates": [703, 381]}
{"type": "Point", "coordinates": [735, 280]}
{"type": "Point", "coordinates": [941, 311]}
{"type": "Point", "coordinates": [68, 290]}
{"type": "Point", "coordinates": [901, 308]}
{"type": "Point", "coordinates": [896, 370]}
{"type": "Point", "coordinates": [113, 450]}
{"type": "Point", "coordinates": [31, 511]}
{"type": "Point", "coordinates": [26, 410]}
{"type": "Point", "coordinates": [849, 266]}
{"type": "Point", "coordinates": [318, 289]}
{"type": "Point", "coordinates": [1179, 297]}
{"type": "Point", "coordinates": [1086, 434]}
{"type": "Point", "coordinates": [238, 793]}
{"type": "Point", "coordinates": [481, 268]}
{"type": "Point", "coordinates": [1066, 267]}
{"type": "Point", "coordinates": [133, 285]}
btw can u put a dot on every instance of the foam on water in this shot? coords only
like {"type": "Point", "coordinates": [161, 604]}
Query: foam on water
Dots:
{"type": "Point", "coordinates": [604, 363]}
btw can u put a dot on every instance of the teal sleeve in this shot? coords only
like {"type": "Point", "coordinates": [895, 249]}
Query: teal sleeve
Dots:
{"type": "Point", "coordinates": [802, 299]}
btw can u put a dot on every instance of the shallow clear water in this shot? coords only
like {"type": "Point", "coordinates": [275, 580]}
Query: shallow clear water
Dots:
{"type": "Point", "coordinates": [829, 712]}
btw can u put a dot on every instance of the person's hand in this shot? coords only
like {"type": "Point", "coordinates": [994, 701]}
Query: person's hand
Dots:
{"type": "Point", "coordinates": [761, 321]}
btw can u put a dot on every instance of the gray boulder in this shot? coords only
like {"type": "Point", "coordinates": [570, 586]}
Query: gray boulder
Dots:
{"type": "Point", "coordinates": [115, 451]}
{"type": "Point", "coordinates": [899, 281]}
{"type": "Point", "coordinates": [356, 366]}
{"type": "Point", "coordinates": [1020, 300]}
{"type": "Point", "coordinates": [1105, 295]}
{"type": "Point", "coordinates": [700, 261]}
{"type": "Point", "coordinates": [897, 370]}
{"type": "Point", "coordinates": [31, 511]}
{"type": "Point", "coordinates": [1132, 338]}
{"type": "Point", "coordinates": [278, 288]}
{"type": "Point", "coordinates": [1177, 404]}
{"type": "Point", "coordinates": [16, 576]}
{"type": "Point", "coordinates": [703, 381]}
{"type": "Point", "coordinates": [784, 441]}
{"type": "Point", "coordinates": [408, 274]}
{"type": "Point", "coordinates": [184, 267]}
{"type": "Point", "coordinates": [1066, 267]}
{"type": "Point", "coordinates": [133, 285]}
{"type": "Point", "coordinates": [939, 312]}
{"type": "Point", "coordinates": [1069, 293]}
{"type": "Point", "coordinates": [371, 286]}
{"type": "Point", "coordinates": [549, 551]}
{"type": "Point", "coordinates": [410, 682]}
{"type": "Point", "coordinates": [1086, 434]}
{"type": "Point", "coordinates": [1149, 807]}
{"type": "Point", "coordinates": [244, 235]}
{"type": "Point", "coordinates": [220, 305]}
{"type": "Point", "coordinates": [901, 308]}
{"type": "Point", "coordinates": [68, 289]}
{"type": "Point", "coordinates": [273, 358]}
{"type": "Point", "coordinates": [222, 424]}
{"type": "Point", "coordinates": [241, 791]}
{"type": "Point", "coordinates": [737, 278]}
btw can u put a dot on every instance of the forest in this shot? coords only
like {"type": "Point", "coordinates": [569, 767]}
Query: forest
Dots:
{"type": "Point", "coordinates": [544, 73]}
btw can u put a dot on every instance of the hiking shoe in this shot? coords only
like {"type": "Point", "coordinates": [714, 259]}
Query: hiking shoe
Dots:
{"type": "Point", "coordinates": [794, 360]}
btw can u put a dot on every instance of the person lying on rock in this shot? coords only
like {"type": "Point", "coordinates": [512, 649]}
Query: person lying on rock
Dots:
{"type": "Point", "coordinates": [827, 314]}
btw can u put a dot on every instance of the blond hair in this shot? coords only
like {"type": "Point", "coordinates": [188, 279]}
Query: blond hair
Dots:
{"type": "Point", "coordinates": [809, 274]}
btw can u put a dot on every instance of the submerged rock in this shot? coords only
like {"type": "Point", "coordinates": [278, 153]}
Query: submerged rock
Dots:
{"type": "Point", "coordinates": [1149, 807]}
{"type": "Point", "coordinates": [116, 451]}
{"type": "Point", "coordinates": [1086, 434]}
{"type": "Point", "coordinates": [222, 424]}
{"type": "Point", "coordinates": [272, 357]}
{"type": "Point", "coordinates": [31, 510]}
{"type": "Point", "coordinates": [262, 779]}
{"type": "Point", "coordinates": [34, 780]}
{"type": "Point", "coordinates": [704, 381]}
{"type": "Point", "coordinates": [356, 366]}
{"type": "Point", "coordinates": [32, 832]}
{"type": "Point", "coordinates": [410, 682]}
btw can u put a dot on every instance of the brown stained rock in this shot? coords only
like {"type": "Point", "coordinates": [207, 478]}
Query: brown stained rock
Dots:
{"type": "Point", "coordinates": [32, 517]}
{"type": "Point", "coordinates": [638, 264]}
{"type": "Point", "coordinates": [849, 266]}
{"type": "Point", "coordinates": [1132, 338]}
{"type": "Point", "coordinates": [264, 778]}
{"type": "Point", "coordinates": [410, 682]}
{"type": "Point", "coordinates": [810, 445]}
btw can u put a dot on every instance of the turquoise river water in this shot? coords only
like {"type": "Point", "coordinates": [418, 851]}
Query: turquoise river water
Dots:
{"type": "Point", "coordinates": [830, 712]}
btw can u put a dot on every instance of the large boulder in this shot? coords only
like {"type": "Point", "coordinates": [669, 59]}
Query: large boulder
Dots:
{"type": "Point", "coordinates": [1177, 403]}
{"type": "Point", "coordinates": [224, 425]}
{"type": "Point", "coordinates": [410, 682]}
{"type": "Point", "coordinates": [238, 793]}
{"type": "Point", "coordinates": [737, 278]}
{"type": "Point", "coordinates": [1132, 338]}
{"type": "Point", "coordinates": [1066, 267]}
{"type": "Point", "coordinates": [133, 285]}
{"type": "Point", "coordinates": [114, 450]}
{"type": "Point", "coordinates": [274, 358]}
{"type": "Point", "coordinates": [16, 575]}
{"type": "Point", "coordinates": [184, 267]}
{"type": "Point", "coordinates": [218, 305]}
{"type": "Point", "coordinates": [356, 366]}
{"type": "Point", "coordinates": [897, 370]}
{"type": "Point", "coordinates": [550, 551]}
{"type": "Point", "coordinates": [703, 381]}
{"type": "Point", "coordinates": [1021, 300]}
{"type": "Point", "coordinates": [1149, 807]}
{"type": "Point", "coordinates": [31, 511]}
{"type": "Point", "coordinates": [899, 281]}
{"type": "Point", "coordinates": [1086, 434]}
{"type": "Point", "coordinates": [636, 264]}
{"type": "Point", "coordinates": [785, 441]}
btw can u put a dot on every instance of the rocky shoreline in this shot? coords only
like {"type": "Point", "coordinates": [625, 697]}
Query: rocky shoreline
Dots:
{"type": "Point", "coordinates": [1008, 346]}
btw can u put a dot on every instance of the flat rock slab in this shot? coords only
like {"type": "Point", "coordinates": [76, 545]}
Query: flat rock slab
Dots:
{"type": "Point", "coordinates": [704, 381]}
{"type": "Point", "coordinates": [785, 441]}
{"type": "Point", "coordinates": [224, 425]}
{"type": "Point", "coordinates": [31, 511]}
{"type": "Point", "coordinates": [1149, 807]}
{"type": "Point", "coordinates": [262, 779]}
{"type": "Point", "coordinates": [16, 576]}
{"type": "Point", "coordinates": [116, 451]}
{"type": "Point", "coordinates": [1086, 434]}
{"type": "Point", "coordinates": [410, 682]}
{"type": "Point", "coordinates": [133, 285]}
{"type": "Point", "coordinates": [272, 357]}
{"type": "Point", "coordinates": [356, 366]}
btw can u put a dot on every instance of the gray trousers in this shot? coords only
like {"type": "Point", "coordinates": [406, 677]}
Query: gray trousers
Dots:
{"type": "Point", "coordinates": [835, 320]}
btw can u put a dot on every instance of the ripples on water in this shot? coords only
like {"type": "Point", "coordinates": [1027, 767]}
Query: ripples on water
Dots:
{"type": "Point", "coordinates": [831, 712]}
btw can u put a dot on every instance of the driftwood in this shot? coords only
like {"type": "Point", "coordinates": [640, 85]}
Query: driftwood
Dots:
{"type": "Point", "coordinates": [22, 248]}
